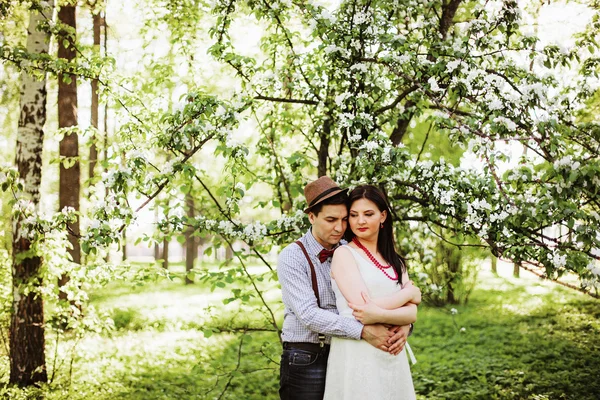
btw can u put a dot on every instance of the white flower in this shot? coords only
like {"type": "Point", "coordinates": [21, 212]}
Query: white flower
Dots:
{"type": "Point", "coordinates": [510, 125]}
{"type": "Point", "coordinates": [403, 59]}
{"type": "Point", "coordinates": [370, 145]}
{"type": "Point", "coordinates": [331, 49]}
{"type": "Point", "coordinates": [359, 67]}
{"type": "Point", "coordinates": [339, 99]}
{"type": "Point", "coordinates": [67, 210]}
{"type": "Point", "coordinates": [495, 104]}
{"type": "Point", "coordinates": [498, 216]}
{"type": "Point", "coordinates": [454, 311]}
{"type": "Point", "coordinates": [451, 66]}
{"type": "Point", "coordinates": [558, 260]}
{"type": "Point", "coordinates": [95, 224]}
{"type": "Point", "coordinates": [354, 138]}
{"type": "Point", "coordinates": [325, 14]}
{"type": "Point", "coordinates": [255, 231]}
{"type": "Point", "coordinates": [594, 269]}
{"type": "Point", "coordinates": [433, 85]}
{"type": "Point", "coordinates": [346, 120]}
{"type": "Point", "coordinates": [385, 157]}
{"type": "Point", "coordinates": [463, 329]}
{"type": "Point", "coordinates": [361, 18]}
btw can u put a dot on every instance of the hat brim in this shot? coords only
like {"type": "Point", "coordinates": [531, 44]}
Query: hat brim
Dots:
{"type": "Point", "coordinates": [329, 195]}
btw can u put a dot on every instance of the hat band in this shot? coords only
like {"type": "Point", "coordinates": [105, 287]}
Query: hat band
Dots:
{"type": "Point", "coordinates": [325, 193]}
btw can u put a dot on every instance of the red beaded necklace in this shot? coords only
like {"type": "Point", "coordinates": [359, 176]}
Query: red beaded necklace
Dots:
{"type": "Point", "coordinates": [381, 267]}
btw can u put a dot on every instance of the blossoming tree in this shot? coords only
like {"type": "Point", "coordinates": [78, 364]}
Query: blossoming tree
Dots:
{"type": "Point", "coordinates": [339, 90]}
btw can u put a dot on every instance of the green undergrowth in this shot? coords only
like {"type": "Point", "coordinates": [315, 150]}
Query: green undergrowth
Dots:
{"type": "Point", "coordinates": [511, 341]}
{"type": "Point", "coordinates": [515, 339]}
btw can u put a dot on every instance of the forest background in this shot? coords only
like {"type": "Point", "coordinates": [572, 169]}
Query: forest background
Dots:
{"type": "Point", "coordinates": [134, 131]}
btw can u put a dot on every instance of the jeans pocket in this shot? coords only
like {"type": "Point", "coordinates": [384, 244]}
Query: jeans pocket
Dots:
{"type": "Point", "coordinates": [300, 358]}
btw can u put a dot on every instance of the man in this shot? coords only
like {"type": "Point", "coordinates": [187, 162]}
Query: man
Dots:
{"type": "Point", "coordinates": [311, 320]}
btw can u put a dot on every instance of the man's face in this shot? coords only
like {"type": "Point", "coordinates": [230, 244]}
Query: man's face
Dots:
{"type": "Point", "coordinates": [329, 226]}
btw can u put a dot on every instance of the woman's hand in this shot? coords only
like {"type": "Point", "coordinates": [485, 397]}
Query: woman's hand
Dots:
{"type": "Point", "coordinates": [414, 291]}
{"type": "Point", "coordinates": [367, 314]}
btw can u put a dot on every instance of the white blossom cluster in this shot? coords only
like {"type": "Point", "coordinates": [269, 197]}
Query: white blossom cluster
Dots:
{"type": "Point", "coordinates": [594, 280]}
{"type": "Point", "coordinates": [507, 123]}
{"type": "Point", "coordinates": [117, 173]}
{"type": "Point", "coordinates": [234, 229]}
{"type": "Point", "coordinates": [566, 162]}
{"type": "Point", "coordinates": [558, 260]}
{"type": "Point", "coordinates": [331, 49]}
{"type": "Point", "coordinates": [287, 222]}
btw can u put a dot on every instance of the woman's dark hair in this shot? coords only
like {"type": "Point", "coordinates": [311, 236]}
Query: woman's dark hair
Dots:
{"type": "Point", "coordinates": [385, 240]}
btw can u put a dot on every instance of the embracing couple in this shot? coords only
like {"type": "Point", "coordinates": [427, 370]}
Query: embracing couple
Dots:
{"type": "Point", "coordinates": [348, 313]}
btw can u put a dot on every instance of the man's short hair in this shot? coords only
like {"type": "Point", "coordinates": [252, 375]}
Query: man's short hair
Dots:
{"type": "Point", "coordinates": [340, 198]}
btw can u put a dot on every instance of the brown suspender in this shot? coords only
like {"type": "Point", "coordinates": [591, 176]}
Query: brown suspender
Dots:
{"type": "Point", "coordinates": [313, 275]}
{"type": "Point", "coordinates": [313, 278]}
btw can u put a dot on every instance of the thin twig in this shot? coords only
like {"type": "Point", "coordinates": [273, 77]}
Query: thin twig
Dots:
{"type": "Point", "coordinates": [237, 367]}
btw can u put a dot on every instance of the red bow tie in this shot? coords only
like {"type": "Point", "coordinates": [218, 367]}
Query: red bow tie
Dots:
{"type": "Point", "coordinates": [325, 254]}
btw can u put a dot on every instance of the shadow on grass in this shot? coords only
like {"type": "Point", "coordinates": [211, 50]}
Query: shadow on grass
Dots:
{"type": "Point", "coordinates": [210, 372]}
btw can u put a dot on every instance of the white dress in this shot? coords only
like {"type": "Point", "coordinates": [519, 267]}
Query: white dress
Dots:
{"type": "Point", "coordinates": [357, 370]}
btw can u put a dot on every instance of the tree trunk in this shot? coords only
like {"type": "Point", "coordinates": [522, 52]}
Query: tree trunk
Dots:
{"type": "Point", "coordinates": [448, 12]}
{"type": "Point", "coordinates": [228, 254]}
{"type": "Point", "coordinates": [156, 245]}
{"type": "Point", "coordinates": [516, 269]}
{"type": "Point", "coordinates": [27, 340]}
{"type": "Point", "coordinates": [402, 125]}
{"type": "Point", "coordinates": [165, 254]}
{"type": "Point", "coordinates": [191, 249]}
{"type": "Point", "coordinates": [97, 22]}
{"type": "Point", "coordinates": [454, 262]}
{"type": "Point", "coordinates": [124, 245]}
{"type": "Point", "coordinates": [324, 148]}
{"type": "Point", "coordinates": [69, 185]}
{"type": "Point", "coordinates": [494, 264]}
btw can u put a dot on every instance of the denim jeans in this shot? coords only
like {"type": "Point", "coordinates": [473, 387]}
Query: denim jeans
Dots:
{"type": "Point", "coordinates": [302, 374]}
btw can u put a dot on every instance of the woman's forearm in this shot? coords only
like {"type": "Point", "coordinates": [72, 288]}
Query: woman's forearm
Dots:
{"type": "Point", "coordinates": [395, 300]}
{"type": "Point", "coordinates": [404, 315]}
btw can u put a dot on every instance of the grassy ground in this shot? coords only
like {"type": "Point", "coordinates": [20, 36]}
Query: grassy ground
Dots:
{"type": "Point", "coordinates": [522, 339]}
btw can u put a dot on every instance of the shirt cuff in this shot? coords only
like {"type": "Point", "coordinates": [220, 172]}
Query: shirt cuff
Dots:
{"type": "Point", "coordinates": [354, 329]}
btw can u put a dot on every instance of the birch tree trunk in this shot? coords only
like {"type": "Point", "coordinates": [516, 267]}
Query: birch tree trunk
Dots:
{"type": "Point", "coordinates": [27, 340]}
{"type": "Point", "coordinates": [69, 181]}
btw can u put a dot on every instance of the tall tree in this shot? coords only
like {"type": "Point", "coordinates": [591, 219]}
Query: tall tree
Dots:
{"type": "Point", "coordinates": [69, 186]}
{"type": "Point", "coordinates": [97, 24]}
{"type": "Point", "coordinates": [191, 247]}
{"type": "Point", "coordinates": [27, 340]}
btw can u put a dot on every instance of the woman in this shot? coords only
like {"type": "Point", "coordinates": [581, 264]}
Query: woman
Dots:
{"type": "Point", "coordinates": [367, 275]}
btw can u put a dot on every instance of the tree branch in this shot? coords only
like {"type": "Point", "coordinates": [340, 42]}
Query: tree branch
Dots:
{"type": "Point", "coordinates": [284, 100]}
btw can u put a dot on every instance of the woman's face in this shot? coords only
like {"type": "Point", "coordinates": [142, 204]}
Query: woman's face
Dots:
{"type": "Point", "coordinates": [365, 219]}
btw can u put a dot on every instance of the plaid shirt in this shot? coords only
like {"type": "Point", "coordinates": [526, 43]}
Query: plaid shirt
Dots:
{"type": "Point", "coordinates": [303, 320]}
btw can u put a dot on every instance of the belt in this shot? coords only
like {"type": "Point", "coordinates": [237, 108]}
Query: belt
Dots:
{"type": "Point", "coordinates": [314, 347]}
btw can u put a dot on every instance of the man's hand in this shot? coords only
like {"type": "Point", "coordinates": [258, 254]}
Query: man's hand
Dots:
{"type": "Point", "coordinates": [377, 335]}
{"type": "Point", "coordinates": [367, 314]}
{"type": "Point", "coordinates": [397, 340]}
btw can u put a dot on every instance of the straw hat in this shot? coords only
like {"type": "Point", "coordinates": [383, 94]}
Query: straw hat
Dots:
{"type": "Point", "coordinates": [319, 190]}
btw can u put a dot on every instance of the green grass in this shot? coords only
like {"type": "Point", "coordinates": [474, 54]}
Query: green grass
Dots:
{"type": "Point", "coordinates": [538, 341]}
{"type": "Point", "coordinates": [522, 339]}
